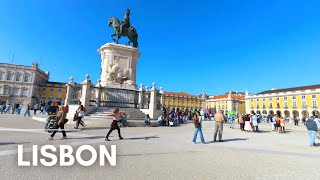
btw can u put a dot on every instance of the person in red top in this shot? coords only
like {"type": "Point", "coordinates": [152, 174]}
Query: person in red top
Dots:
{"type": "Point", "coordinates": [278, 126]}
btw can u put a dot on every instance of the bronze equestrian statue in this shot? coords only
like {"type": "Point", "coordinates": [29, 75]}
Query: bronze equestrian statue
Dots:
{"type": "Point", "coordinates": [123, 29]}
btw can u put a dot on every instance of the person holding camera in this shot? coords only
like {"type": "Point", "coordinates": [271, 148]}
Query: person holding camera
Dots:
{"type": "Point", "coordinates": [197, 120]}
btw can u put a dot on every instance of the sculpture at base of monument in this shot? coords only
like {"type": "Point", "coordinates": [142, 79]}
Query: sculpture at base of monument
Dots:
{"type": "Point", "coordinates": [123, 29]}
{"type": "Point", "coordinates": [118, 74]}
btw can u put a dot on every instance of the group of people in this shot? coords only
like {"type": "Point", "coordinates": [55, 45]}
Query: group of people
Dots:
{"type": "Point", "coordinates": [16, 108]}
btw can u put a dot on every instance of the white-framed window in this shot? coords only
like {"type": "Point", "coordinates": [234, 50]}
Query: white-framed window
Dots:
{"type": "Point", "coordinates": [6, 90]}
{"type": "Point", "coordinates": [264, 105]}
{"type": "Point", "coordinates": [24, 92]}
{"type": "Point", "coordinates": [303, 97]}
{"type": "Point", "coordinates": [18, 76]}
{"type": "Point", "coordinates": [270, 105]}
{"type": "Point", "coordinates": [277, 98]}
{"type": "Point", "coordinates": [51, 94]}
{"type": "Point", "coordinates": [16, 91]}
{"type": "Point", "coordinates": [9, 76]}
{"type": "Point", "coordinates": [294, 97]}
{"type": "Point", "coordinates": [314, 96]}
{"type": "Point", "coordinates": [285, 98]}
{"type": "Point", "coordinates": [286, 104]}
{"type": "Point", "coordinates": [314, 104]}
{"type": "Point", "coordinates": [26, 78]}
{"type": "Point", "coordinates": [263, 99]}
{"type": "Point", "coordinates": [294, 104]}
{"type": "Point", "coordinates": [304, 104]}
{"type": "Point", "coordinates": [270, 99]}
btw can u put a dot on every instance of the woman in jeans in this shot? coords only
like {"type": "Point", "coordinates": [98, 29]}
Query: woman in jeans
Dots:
{"type": "Point", "coordinates": [198, 129]}
{"type": "Point", "coordinates": [114, 125]}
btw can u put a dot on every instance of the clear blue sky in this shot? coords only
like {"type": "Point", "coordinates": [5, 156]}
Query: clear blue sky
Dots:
{"type": "Point", "coordinates": [190, 46]}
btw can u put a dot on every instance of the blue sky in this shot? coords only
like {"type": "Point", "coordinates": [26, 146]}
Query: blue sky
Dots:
{"type": "Point", "coordinates": [190, 46]}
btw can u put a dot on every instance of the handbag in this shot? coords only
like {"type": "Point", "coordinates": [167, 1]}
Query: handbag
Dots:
{"type": "Point", "coordinates": [195, 122]}
{"type": "Point", "coordinates": [65, 121]}
{"type": "Point", "coordinates": [75, 117]}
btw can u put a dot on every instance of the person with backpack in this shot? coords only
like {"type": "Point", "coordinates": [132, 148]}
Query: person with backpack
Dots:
{"type": "Point", "coordinates": [197, 120]}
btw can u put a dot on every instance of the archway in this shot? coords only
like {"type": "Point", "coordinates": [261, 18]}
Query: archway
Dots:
{"type": "Point", "coordinates": [264, 112]}
{"type": "Point", "coordinates": [271, 112]}
{"type": "Point", "coordinates": [258, 112]}
{"type": "Point", "coordinates": [295, 113]}
{"type": "Point", "coordinates": [252, 111]}
{"type": "Point", "coordinates": [286, 114]}
{"type": "Point", "coordinates": [279, 113]}
{"type": "Point", "coordinates": [305, 113]}
{"type": "Point", "coordinates": [315, 113]}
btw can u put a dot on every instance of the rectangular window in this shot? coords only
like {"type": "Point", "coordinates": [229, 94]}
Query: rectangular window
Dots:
{"type": "Point", "coordinates": [18, 77]}
{"type": "Point", "coordinates": [270, 105]}
{"type": "Point", "coordinates": [24, 92]}
{"type": "Point", "coordinates": [263, 99]}
{"type": "Point", "coordinates": [277, 98]}
{"type": "Point", "coordinates": [294, 97]}
{"type": "Point", "coordinates": [303, 97]}
{"type": "Point", "coordinates": [15, 91]}
{"type": "Point", "coordinates": [26, 78]}
{"type": "Point", "coordinates": [9, 76]}
{"type": "Point", "coordinates": [285, 98]}
{"type": "Point", "coordinates": [6, 90]}
{"type": "Point", "coordinates": [314, 104]}
{"type": "Point", "coordinates": [264, 106]}
{"type": "Point", "coordinates": [314, 96]}
{"type": "Point", "coordinates": [294, 104]}
{"type": "Point", "coordinates": [270, 99]}
{"type": "Point", "coordinates": [285, 104]}
{"type": "Point", "coordinates": [51, 93]}
{"type": "Point", "coordinates": [304, 104]}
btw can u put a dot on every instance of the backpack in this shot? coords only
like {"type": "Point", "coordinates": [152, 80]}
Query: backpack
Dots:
{"type": "Point", "coordinates": [196, 122]}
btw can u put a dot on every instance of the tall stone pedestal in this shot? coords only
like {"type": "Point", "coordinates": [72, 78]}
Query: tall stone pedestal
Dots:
{"type": "Point", "coordinates": [118, 66]}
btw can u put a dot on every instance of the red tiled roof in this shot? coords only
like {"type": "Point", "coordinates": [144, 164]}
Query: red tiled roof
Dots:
{"type": "Point", "coordinates": [317, 86]}
{"type": "Point", "coordinates": [224, 96]}
{"type": "Point", "coordinates": [178, 94]}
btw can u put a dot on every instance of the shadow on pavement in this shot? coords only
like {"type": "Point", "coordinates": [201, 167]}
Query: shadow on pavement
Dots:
{"type": "Point", "coordinates": [12, 143]}
{"type": "Point", "coordinates": [138, 138]}
{"type": "Point", "coordinates": [228, 140]}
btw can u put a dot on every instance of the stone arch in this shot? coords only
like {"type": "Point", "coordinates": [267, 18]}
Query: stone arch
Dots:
{"type": "Point", "coordinates": [271, 112]}
{"type": "Point", "coordinates": [305, 113]}
{"type": "Point", "coordinates": [258, 112]}
{"type": "Point", "coordinates": [315, 113]}
{"type": "Point", "coordinates": [279, 113]}
{"type": "Point", "coordinates": [295, 113]}
{"type": "Point", "coordinates": [286, 114]}
{"type": "Point", "coordinates": [264, 112]}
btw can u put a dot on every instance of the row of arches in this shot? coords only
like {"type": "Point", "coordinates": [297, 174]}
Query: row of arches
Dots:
{"type": "Point", "coordinates": [287, 114]}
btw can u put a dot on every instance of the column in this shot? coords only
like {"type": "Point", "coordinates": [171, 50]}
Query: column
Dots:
{"type": "Point", "coordinates": [68, 93]}
{"type": "Point", "coordinates": [140, 100]}
{"type": "Point", "coordinates": [86, 90]}
{"type": "Point", "coordinates": [153, 101]}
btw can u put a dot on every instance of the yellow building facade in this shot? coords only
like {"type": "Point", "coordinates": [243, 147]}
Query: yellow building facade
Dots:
{"type": "Point", "coordinates": [226, 102]}
{"type": "Point", "coordinates": [182, 101]}
{"type": "Point", "coordinates": [289, 102]}
{"type": "Point", "coordinates": [53, 92]}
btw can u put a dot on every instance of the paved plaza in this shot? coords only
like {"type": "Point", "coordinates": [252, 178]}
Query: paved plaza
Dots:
{"type": "Point", "coordinates": [167, 153]}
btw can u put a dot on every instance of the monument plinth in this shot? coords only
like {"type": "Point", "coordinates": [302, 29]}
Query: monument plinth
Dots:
{"type": "Point", "coordinates": [118, 66]}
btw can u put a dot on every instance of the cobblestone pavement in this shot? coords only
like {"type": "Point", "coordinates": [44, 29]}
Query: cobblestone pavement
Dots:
{"type": "Point", "coordinates": [166, 153]}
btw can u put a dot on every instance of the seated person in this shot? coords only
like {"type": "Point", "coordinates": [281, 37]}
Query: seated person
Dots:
{"type": "Point", "coordinates": [124, 119]}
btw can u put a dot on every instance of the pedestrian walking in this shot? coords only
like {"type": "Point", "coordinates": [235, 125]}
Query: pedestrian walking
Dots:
{"type": "Point", "coordinates": [219, 119]}
{"type": "Point", "coordinates": [295, 119]}
{"type": "Point", "coordinates": [255, 123]}
{"type": "Point", "coordinates": [241, 122]}
{"type": "Point", "coordinates": [231, 118]}
{"type": "Point", "coordinates": [247, 126]}
{"type": "Point", "coordinates": [35, 108]}
{"type": "Point", "coordinates": [114, 125]}
{"type": "Point", "coordinates": [80, 113]}
{"type": "Point", "coordinates": [198, 125]}
{"type": "Point", "coordinates": [27, 110]}
{"type": "Point", "coordinates": [311, 125]}
{"type": "Point", "coordinates": [61, 116]}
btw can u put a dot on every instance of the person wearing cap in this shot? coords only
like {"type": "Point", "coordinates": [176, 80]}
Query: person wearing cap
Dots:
{"type": "Point", "coordinates": [311, 125]}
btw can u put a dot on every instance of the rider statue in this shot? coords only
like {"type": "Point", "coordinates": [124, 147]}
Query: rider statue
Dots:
{"type": "Point", "coordinates": [125, 24]}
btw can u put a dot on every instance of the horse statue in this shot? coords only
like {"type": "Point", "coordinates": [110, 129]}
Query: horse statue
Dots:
{"type": "Point", "coordinates": [129, 32]}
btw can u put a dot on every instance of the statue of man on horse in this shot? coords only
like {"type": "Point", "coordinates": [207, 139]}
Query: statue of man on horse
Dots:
{"type": "Point", "coordinates": [124, 29]}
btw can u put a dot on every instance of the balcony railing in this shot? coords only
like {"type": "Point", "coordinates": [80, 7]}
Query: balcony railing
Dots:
{"type": "Point", "coordinates": [315, 107]}
{"type": "Point", "coordinates": [286, 107]}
